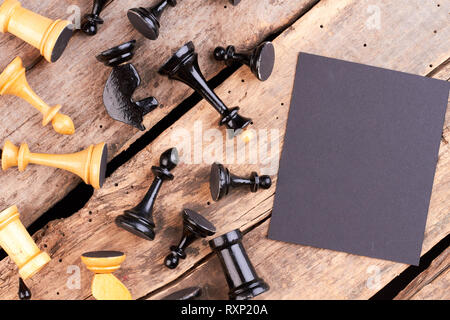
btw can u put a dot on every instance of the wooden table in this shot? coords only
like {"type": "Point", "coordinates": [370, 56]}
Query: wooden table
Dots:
{"type": "Point", "coordinates": [406, 35]}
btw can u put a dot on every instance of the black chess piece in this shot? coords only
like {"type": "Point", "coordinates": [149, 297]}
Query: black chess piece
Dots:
{"type": "Point", "coordinates": [220, 181]}
{"type": "Point", "coordinates": [139, 220]}
{"type": "Point", "coordinates": [146, 20]}
{"type": "Point", "coordinates": [240, 274]}
{"type": "Point", "coordinates": [92, 20]}
{"type": "Point", "coordinates": [235, 2]}
{"type": "Point", "coordinates": [190, 293]}
{"type": "Point", "coordinates": [183, 66]}
{"type": "Point", "coordinates": [120, 86]}
{"type": "Point", "coordinates": [24, 292]}
{"type": "Point", "coordinates": [260, 60]}
{"type": "Point", "coordinates": [195, 226]}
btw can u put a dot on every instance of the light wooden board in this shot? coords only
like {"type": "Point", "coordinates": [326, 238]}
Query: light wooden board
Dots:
{"type": "Point", "coordinates": [306, 272]}
{"type": "Point", "coordinates": [76, 81]}
{"type": "Point", "coordinates": [433, 283]}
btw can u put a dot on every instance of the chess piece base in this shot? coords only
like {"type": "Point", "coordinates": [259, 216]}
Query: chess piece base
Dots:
{"type": "Point", "coordinates": [137, 225]}
{"type": "Point", "coordinates": [144, 22]}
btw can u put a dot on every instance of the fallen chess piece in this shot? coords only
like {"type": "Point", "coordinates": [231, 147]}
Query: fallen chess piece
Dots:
{"type": "Point", "coordinates": [106, 286]}
{"type": "Point", "coordinates": [183, 66]}
{"type": "Point", "coordinates": [19, 245]}
{"type": "Point", "coordinates": [120, 86]}
{"type": "Point", "coordinates": [241, 276]}
{"type": "Point", "coordinates": [92, 20]}
{"type": "Point", "coordinates": [13, 82]}
{"type": "Point", "coordinates": [190, 293]}
{"type": "Point", "coordinates": [139, 220]}
{"type": "Point", "coordinates": [49, 36]}
{"type": "Point", "coordinates": [88, 164]}
{"type": "Point", "coordinates": [195, 226]}
{"type": "Point", "coordinates": [221, 180]}
{"type": "Point", "coordinates": [260, 60]}
{"type": "Point", "coordinates": [146, 20]}
{"type": "Point", "coordinates": [24, 292]}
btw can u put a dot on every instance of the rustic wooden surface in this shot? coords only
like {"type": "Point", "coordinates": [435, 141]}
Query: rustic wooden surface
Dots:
{"type": "Point", "coordinates": [76, 82]}
{"type": "Point", "coordinates": [406, 42]}
{"type": "Point", "coordinates": [433, 283]}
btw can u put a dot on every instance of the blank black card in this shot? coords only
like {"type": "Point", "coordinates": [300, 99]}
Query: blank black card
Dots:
{"type": "Point", "coordinates": [359, 158]}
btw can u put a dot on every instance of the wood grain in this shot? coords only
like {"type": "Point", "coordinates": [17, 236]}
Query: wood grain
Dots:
{"type": "Point", "coordinates": [431, 284]}
{"type": "Point", "coordinates": [76, 81]}
{"type": "Point", "coordinates": [306, 272]}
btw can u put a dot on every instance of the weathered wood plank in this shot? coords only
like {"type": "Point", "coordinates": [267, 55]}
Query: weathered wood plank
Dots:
{"type": "Point", "coordinates": [304, 268]}
{"type": "Point", "coordinates": [76, 81]}
{"type": "Point", "coordinates": [431, 284]}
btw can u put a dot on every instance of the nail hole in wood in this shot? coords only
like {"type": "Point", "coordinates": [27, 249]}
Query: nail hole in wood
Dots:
{"type": "Point", "coordinates": [116, 184]}
{"type": "Point", "coordinates": [90, 220]}
{"type": "Point", "coordinates": [365, 44]}
{"type": "Point", "coordinates": [101, 126]}
{"type": "Point", "coordinates": [208, 203]}
{"type": "Point", "coordinates": [60, 260]}
{"type": "Point", "coordinates": [321, 25]}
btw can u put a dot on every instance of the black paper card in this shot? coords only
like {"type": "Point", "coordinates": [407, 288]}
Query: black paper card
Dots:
{"type": "Point", "coordinates": [359, 157]}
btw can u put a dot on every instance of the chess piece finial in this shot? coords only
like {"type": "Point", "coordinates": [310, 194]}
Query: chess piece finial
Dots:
{"type": "Point", "coordinates": [220, 181]}
{"type": "Point", "coordinates": [49, 36]}
{"type": "Point", "coordinates": [24, 292]}
{"type": "Point", "coordinates": [14, 82]}
{"type": "Point", "coordinates": [88, 164]}
{"type": "Point", "coordinates": [106, 286]}
{"type": "Point", "coordinates": [19, 245]}
{"type": "Point", "coordinates": [139, 220]}
{"type": "Point", "coordinates": [92, 20]}
{"type": "Point", "coordinates": [120, 86]}
{"type": "Point", "coordinates": [183, 66]}
{"type": "Point", "coordinates": [146, 20]}
{"type": "Point", "coordinates": [241, 276]}
{"type": "Point", "coordinates": [260, 60]}
{"type": "Point", "coordinates": [190, 293]}
{"type": "Point", "coordinates": [195, 227]}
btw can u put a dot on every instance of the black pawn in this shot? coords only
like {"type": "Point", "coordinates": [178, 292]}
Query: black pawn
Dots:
{"type": "Point", "coordinates": [139, 220]}
{"type": "Point", "coordinates": [183, 66]}
{"type": "Point", "coordinates": [190, 293]}
{"type": "Point", "coordinates": [240, 274]}
{"type": "Point", "coordinates": [261, 60]}
{"type": "Point", "coordinates": [146, 20]}
{"type": "Point", "coordinates": [221, 180]}
{"type": "Point", "coordinates": [24, 292]}
{"type": "Point", "coordinates": [121, 84]}
{"type": "Point", "coordinates": [93, 19]}
{"type": "Point", "coordinates": [195, 227]}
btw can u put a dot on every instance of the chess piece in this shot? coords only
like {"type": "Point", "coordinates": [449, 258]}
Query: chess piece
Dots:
{"type": "Point", "coordinates": [146, 20]}
{"type": "Point", "coordinates": [190, 293]}
{"type": "Point", "coordinates": [88, 164]}
{"type": "Point", "coordinates": [241, 276]}
{"type": "Point", "coordinates": [220, 181]}
{"type": "Point", "coordinates": [260, 60]}
{"type": "Point", "coordinates": [92, 20]}
{"type": "Point", "coordinates": [183, 66]}
{"type": "Point", "coordinates": [19, 245]}
{"type": "Point", "coordinates": [105, 286]}
{"type": "Point", "coordinates": [195, 227]}
{"type": "Point", "coordinates": [14, 82]}
{"type": "Point", "coordinates": [139, 220]}
{"type": "Point", "coordinates": [235, 2]}
{"type": "Point", "coordinates": [120, 86]}
{"type": "Point", "coordinates": [24, 292]}
{"type": "Point", "coordinates": [49, 36]}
